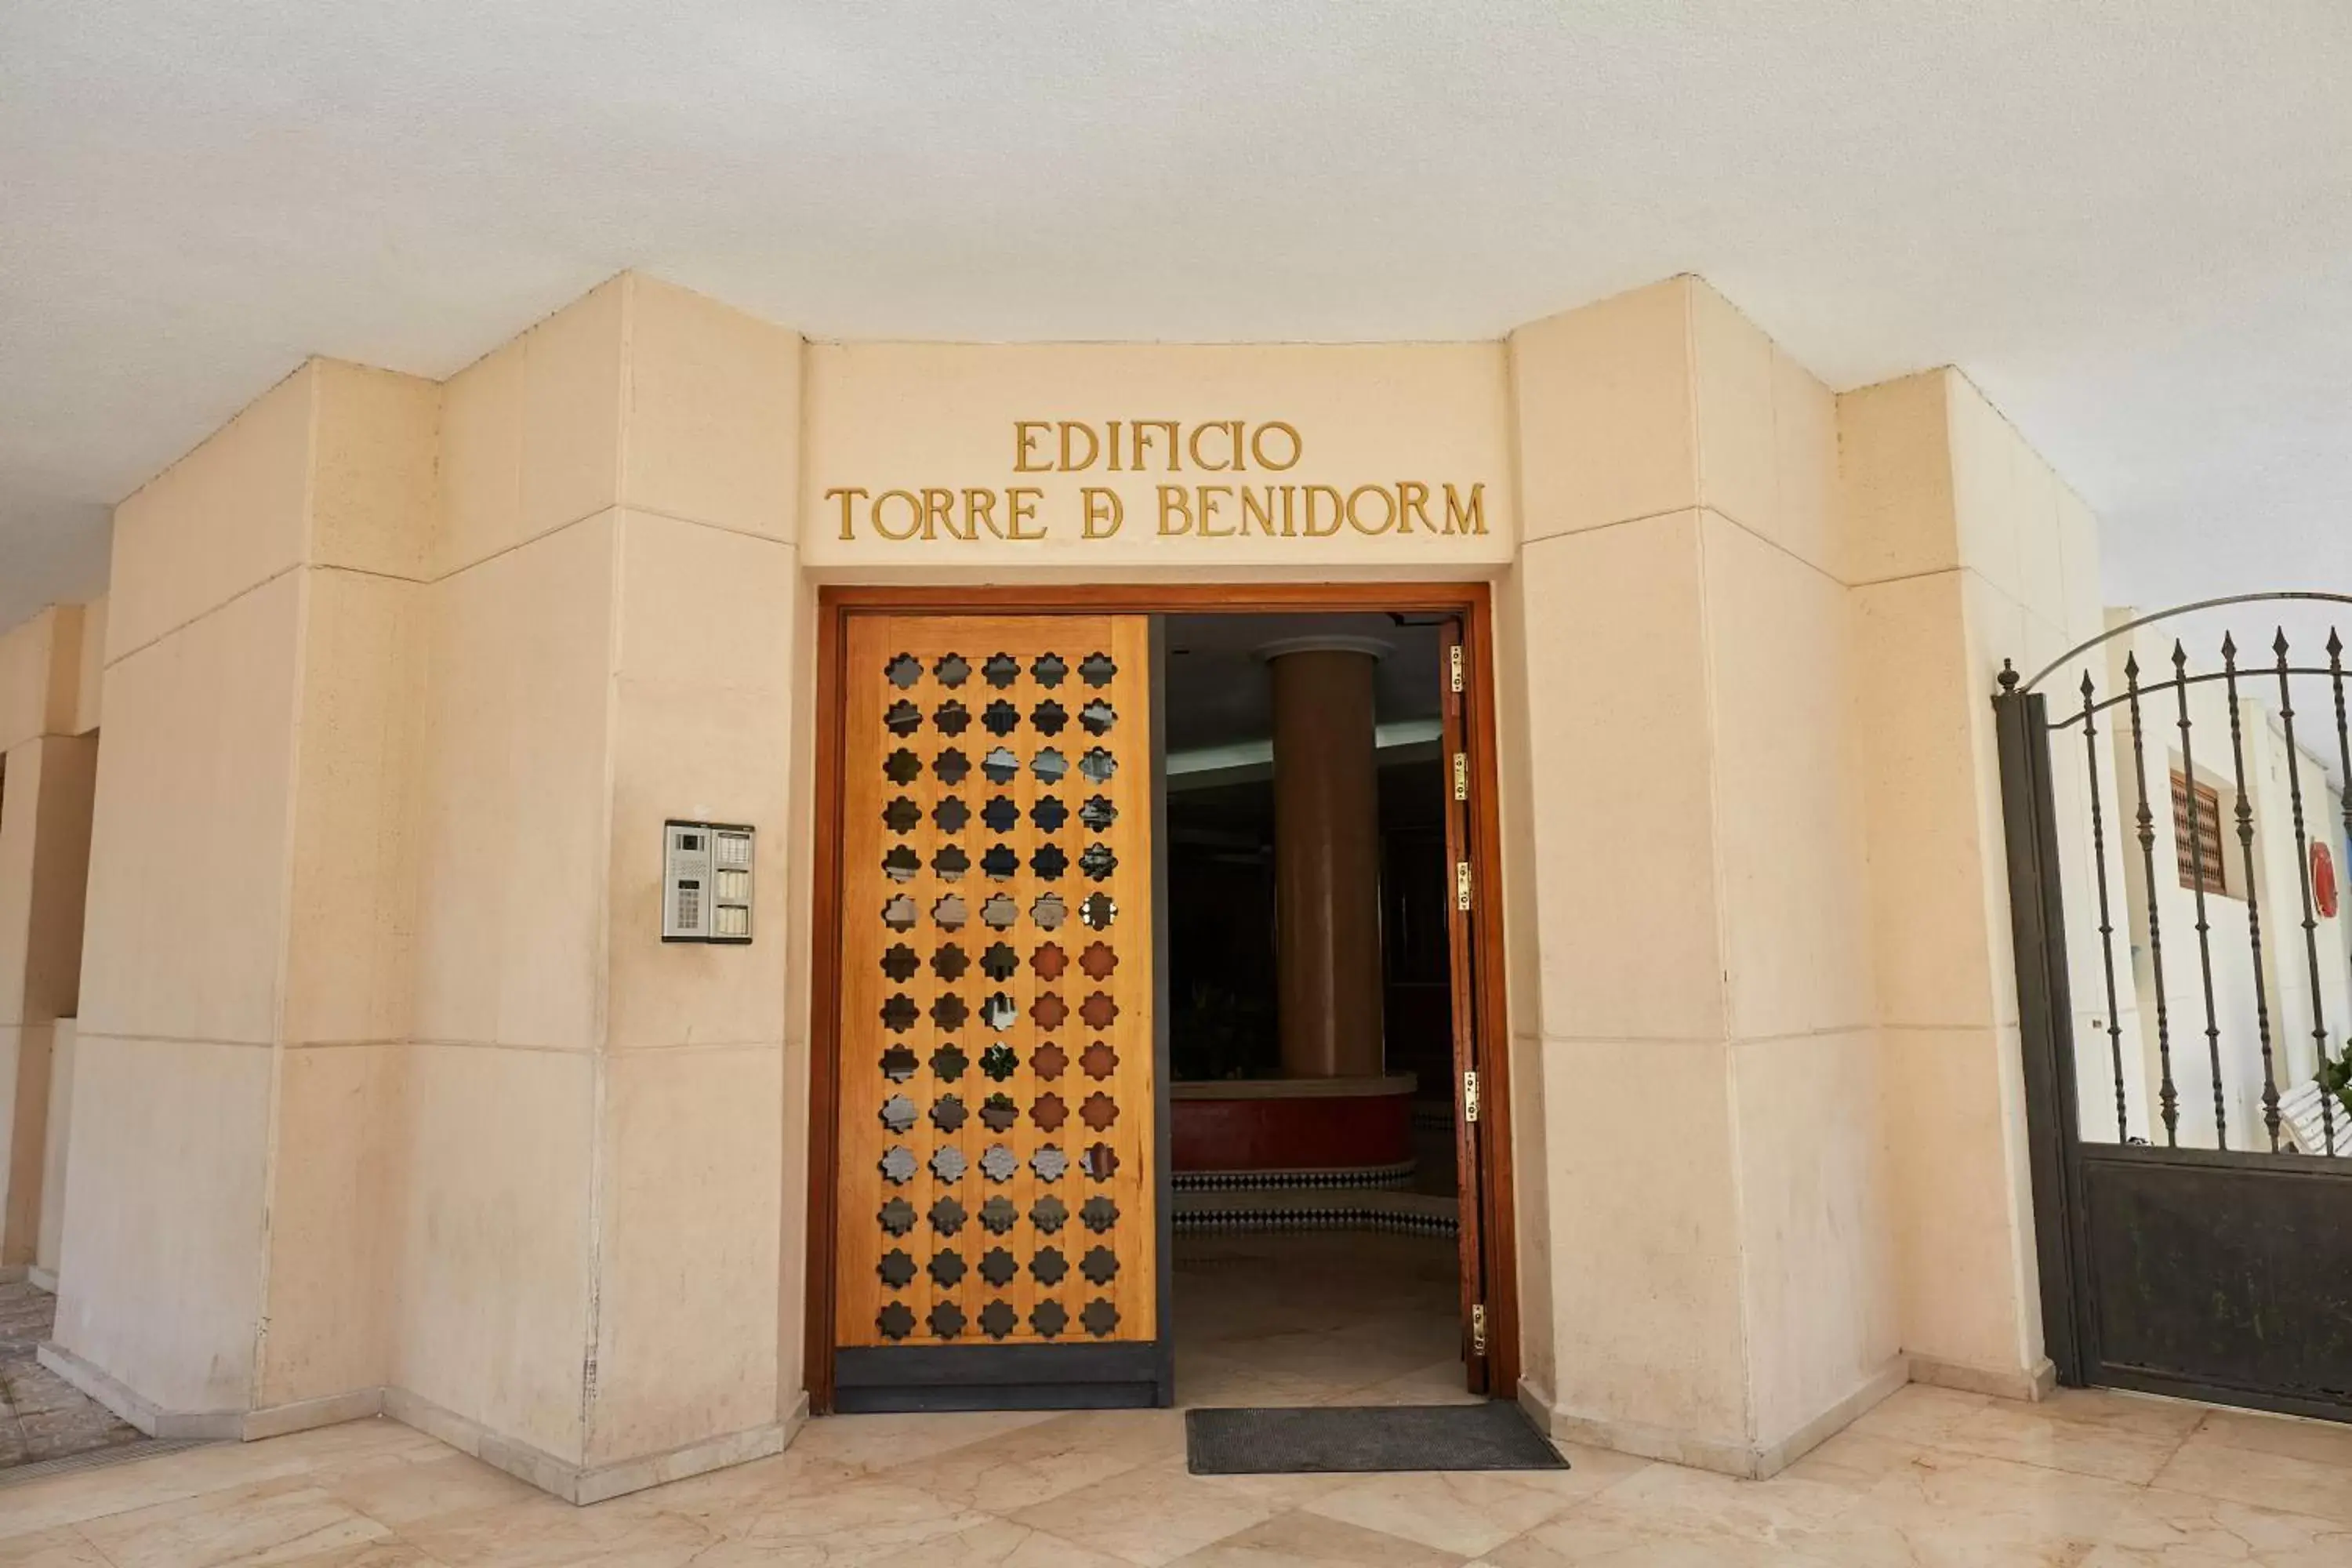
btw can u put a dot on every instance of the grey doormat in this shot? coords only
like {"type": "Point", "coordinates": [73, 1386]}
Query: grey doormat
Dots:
{"type": "Point", "coordinates": [1493, 1435]}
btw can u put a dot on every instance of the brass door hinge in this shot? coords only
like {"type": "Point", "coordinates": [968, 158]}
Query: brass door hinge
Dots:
{"type": "Point", "coordinates": [1478, 1328]}
{"type": "Point", "coordinates": [1461, 776]}
{"type": "Point", "coordinates": [1462, 885]}
{"type": "Point", "coordinates": [1453, 664]}
{"type": "Point", "coordinates": [1470, 1096]}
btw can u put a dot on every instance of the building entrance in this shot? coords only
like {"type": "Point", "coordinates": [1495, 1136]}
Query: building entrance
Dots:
{"type": "Point", "coordinates": [1155, 954]}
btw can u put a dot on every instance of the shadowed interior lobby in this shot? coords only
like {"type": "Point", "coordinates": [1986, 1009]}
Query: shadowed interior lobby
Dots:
{"type": "Point", "coordinates": [1310, 1018]}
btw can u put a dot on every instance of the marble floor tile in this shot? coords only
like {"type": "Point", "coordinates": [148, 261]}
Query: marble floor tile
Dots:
{"type": "Point", "coordinates": [2320, 1442]}
{"type": "Point", "coordinates": [1205, 1379]}
{"type": "Point", "coordinates": [1580, 1540]}
{"type": "Point", "coordinates": [2182, 1528]}
{"type": "Point", "coordinates": [2088, 1444]}
{"type": "Point", "coordinates": [80, 1495]}
{"type": "Point", "coordinates": [1301, 1540]}
{"type": "Point", "coordinates": [1918, 1413]}
{"type": "Point", "coordinates": [64, 1547]}
{"type": "Point", "coordinates": [1590, 1471]}
{"type": "Point", "coordinates": [1151, 1515]}
{"type": "Point", "coordinates": [998, 1543]}
{"type": "Point", "coordinates": [1964, 1511]}
{"type": "Point", "coordinates": [1439, 1383]}
{"type": "Point", "coordinates": [884, 1442]}
{"type": "Point", "coordinates": [1672, 1500]}
{"type": "Point", "coordinates": [2209, 1467]}
{"type": "Point", "coordinates": [858, 1522]}
{"type": "Point", "coordinates": [276, 1522]}
{"type": "Point", "coordinates": [391, 1553]}
{"type": "Point", "coordinates": [545, 1532]}
{"type": "Point", "coordinates": [1464, 1512]}
{"type": "Point", "coordinates": [1855, 1459]}
{"type": "Point", "coordinates": [1037, 1463]}
{"type": "Point", "coordinates": [405, 1491]}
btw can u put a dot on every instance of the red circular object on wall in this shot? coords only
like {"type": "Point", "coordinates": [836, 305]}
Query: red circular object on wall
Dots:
{"type": "Point", "coordinates": [2323, 882]}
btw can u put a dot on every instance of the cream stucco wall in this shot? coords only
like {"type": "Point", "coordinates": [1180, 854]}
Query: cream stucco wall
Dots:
{"type": "Point", "coordinates": [1695, 995]}
{"type": "Point", "coordinates": [384, 1079]}
{"type": "Point", "coordinates": [48, 758]}
{"type": "Point", "coordinates": [1967, 550]}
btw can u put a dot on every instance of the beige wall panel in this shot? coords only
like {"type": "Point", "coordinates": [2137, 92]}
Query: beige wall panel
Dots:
{"type": "Point", "coordinates": [27, 1067]}
{"type": "Point", "coordinates": [188, 864]}
{"type": "Point", "coordinates": [333, 1229]}
{"type": "Point", "coordinates": [1733, 383]}
{"type": "Point", "coordinates": [20, 821]}
{"type": "Point", "coordinates": [1990, 486]}
{"type": "Point", "coordinates": [1530, 1124]}
{"type": "Point", "coordinates": [512, 833]}
{"type": "Point", "coordinates": [1927, 846]}
{"type": "Point", "coordinates": [480, 470]}
{"type": "Point", "coordinates": [1531, 1189]}
{"type": "Point", "coordinates": [351, 938]}
{"type": "Point", "coordinates": [703, 729]}
{"type": "Point", "coordinates": [685, 1313]}
{"type": "Point", "coordinates": [1514, 779]}
{"type": "Point", "coordinates": [373, 494]}
{"type": "Point", "coordinates": [532, 432]}
{"type": "Point", "coordinates": [68, 772]}
{"type": "Point", "coordinates": [495, 1261]}
{"type": "Point", "coordinates": [2041, 537]}
{"type": "Point", "coordinates": [885, 416]}
{"type": "Point", "coordinates": [1645, 1236]}
{"type": "Point", "coordinates": [714, 411]}
{"type": "Point", "coordinates": [1789, 809]}
{"type": "Point", "coordinates": [1624, 838]}
{"type": "Point", "coordinates": [572, 411]}
{"type": "Point", "coordinates": [1605, 406]}
{"type": "Point", "coordinates": [799, 876]}
{"type": "Point", "coordinates": [1805, 438]}
{"type": "Point", "coordinates": [2078, 563]}
{"type": "Point", "coordinates": [90, 684]}
{"type": "Point", "coordinates": [40, 670]}
{"type": "Point", "coordinates": [1896, 479]}
{"type": "Point", "coordinates": [160, 1275]}
{"type": "Point", "coordinates": [1967, 1296]}
{"type": "Point", "coordinates": [1819, 1267]}
{"type": "Point", "coordinates": [25, 678]}
{"type": "Point", "coordinates": [229, 515]}
{"type": "Point", "coordinates": [56, 1137]}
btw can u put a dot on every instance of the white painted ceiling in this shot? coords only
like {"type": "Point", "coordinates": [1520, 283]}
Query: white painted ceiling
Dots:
{"type": "Point", "coordinates": [2130, 221]}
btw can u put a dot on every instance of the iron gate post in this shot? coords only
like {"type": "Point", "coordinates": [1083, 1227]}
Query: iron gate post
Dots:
{"type": "Point", "coordinates": [2045, 1025]}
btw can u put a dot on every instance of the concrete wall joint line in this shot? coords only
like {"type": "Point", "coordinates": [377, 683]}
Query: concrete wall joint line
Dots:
{"type": "Point", "coordinates": [1527, 544]}
{"type": "Point", "coordinates": [209, 610]}
{"type": "Point", "coordinates": [591, 515]}
{"type": "Point", "coordinates": [504, 1046]}
{"type": "Point", "coordinates": [86, 1036]}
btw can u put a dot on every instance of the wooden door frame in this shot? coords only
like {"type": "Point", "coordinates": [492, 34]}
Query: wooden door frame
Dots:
{"type": "Point", "coordinates": [1473, 601]}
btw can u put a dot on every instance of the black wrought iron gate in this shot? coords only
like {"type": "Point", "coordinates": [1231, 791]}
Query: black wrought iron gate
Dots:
{"type": "Point", "coordinates": [2178, 827]}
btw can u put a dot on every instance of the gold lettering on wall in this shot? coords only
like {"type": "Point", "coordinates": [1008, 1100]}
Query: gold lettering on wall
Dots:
{"type": "Point", "coordinates": [1235, 510]}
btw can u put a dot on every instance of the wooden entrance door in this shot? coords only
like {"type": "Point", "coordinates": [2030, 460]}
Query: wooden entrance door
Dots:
{"type": "Point", "coordinates": [994, 1218]}
{"type": "Point", "coordinates": [1479, 1333]}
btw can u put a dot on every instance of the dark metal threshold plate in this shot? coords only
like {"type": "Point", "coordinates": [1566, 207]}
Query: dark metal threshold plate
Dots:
{"type": "Point", "coordinates": [1493, 1435]}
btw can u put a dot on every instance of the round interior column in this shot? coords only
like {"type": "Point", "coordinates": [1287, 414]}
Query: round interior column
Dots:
{"type": "Point", "coordinates": [1327, 855]}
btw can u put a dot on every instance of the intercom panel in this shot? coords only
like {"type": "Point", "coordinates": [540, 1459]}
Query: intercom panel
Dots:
{"type": "Point", "coordinates": [706, 881]}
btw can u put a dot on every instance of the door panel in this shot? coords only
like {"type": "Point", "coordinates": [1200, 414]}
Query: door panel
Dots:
{"type": "Point", "coordinates": [1453, 675]}
{"type": "Point", "coordinates": [996, 1139]}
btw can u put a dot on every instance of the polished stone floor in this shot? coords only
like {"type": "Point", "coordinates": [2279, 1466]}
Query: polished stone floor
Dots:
{"type": "Point", "coordinates": [1318, 1318]}
{"type": "Point", "coordinates": [2087, 1480]}
{"type": "Point", "coordinates": [2093, 1480]}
